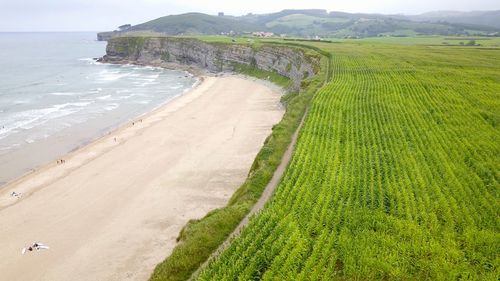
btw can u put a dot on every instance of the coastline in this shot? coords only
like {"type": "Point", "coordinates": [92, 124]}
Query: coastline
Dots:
{"type": "Point", "coordinates": [191, 69]}
{"type": "Point", "coordinates": [94, 203]}
{"type": "Point", "coordinates": [7, 188]}
{"type": "Point", "coordinates": [33, 148]}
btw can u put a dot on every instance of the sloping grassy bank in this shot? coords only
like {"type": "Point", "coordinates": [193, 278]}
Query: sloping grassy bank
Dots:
{"type": "Point", "coordinates": [200, 238]}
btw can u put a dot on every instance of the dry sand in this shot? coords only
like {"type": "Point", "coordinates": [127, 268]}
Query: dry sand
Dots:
{"type": "Point", "coordinates": [114, 209]}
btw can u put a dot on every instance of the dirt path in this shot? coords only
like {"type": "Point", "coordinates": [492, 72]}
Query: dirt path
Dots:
{"type": "Point", "coordinates": [266, 194]}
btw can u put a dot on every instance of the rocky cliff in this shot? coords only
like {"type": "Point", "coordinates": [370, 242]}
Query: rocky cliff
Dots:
{"type": "Point", "coordinates": [105, 36]}
{"type": "Point", "coordinates": [288, 61]}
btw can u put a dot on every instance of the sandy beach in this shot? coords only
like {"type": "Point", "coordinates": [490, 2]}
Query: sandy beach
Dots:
{"type": "Point", "coordinates": [113, 210]}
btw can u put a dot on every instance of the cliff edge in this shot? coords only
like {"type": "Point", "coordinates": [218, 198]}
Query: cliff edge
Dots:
{"type": "Point", "coordinates": [288, 61]}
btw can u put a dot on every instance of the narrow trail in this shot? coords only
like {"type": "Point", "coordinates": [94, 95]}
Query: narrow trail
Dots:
{"type": "Point", "coordinates": [270, 187]}
{"type": "Point", "coordinates": [266, 194]}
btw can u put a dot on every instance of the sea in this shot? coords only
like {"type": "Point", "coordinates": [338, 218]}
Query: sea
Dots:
{"type": "Point", "coordinates": [55, 97]}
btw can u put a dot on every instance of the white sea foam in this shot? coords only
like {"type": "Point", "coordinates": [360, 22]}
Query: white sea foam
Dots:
{"type": "Point", "coordinates": [144, 81]}
{"type": "Point", "coordinates": [23, 120]}
{"type": "Point", "coordinates": [124, 97]}
{"type": "Point", "coordinates": [111, 106]}
{"type": "Point", "coordinates": [106, 75]}
{"type": "Point", "coordinates": [90, 61]}
{"type": "Point", "coordinates": [63, 94]}
{"type": "Point", "coordinates": [32, 118]}
{"type": "Point", "coordinates": [78, 104]}
{"type": "Point", "coordinates": [151, 67]}
{"type": "Point", "coordinates": [115, 98]}
{"type": "Point", "coordinates": [25, 101]}
{"type": "Point", "coordinates": [153, 76]}
{"type": "Point", "coordinates": [106, 97]}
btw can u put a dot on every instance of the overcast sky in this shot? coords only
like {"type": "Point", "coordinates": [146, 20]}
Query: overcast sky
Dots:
{"type": "Point", "coordinates": [99, 15]}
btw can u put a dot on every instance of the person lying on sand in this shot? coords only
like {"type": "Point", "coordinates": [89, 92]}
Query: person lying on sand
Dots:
{"type": "Point", "coordinates": [15, 194]}
{"type": "Point", "coordinates": [36, 246]}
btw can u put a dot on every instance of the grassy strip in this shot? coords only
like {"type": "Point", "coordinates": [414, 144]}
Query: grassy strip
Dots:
{"type": "Point", "coordinates": [274, 77]}
{"type": "Point", "coordinates": [200, 238]}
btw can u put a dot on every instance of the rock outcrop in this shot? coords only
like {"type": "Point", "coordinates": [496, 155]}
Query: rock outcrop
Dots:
{"type": "Point", "coordinates": [105, 36]}
{"type": "Point", "coordinates": [288, 61]}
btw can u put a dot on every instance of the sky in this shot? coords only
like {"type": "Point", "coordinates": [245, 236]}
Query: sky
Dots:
{"type": "Point", "coordinates": [102, 15]}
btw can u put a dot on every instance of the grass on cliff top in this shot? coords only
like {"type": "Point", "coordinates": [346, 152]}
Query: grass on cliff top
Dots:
{"type": "Point", "coordinates": [451, 41]}
{"type": "Point", "coordinates": [200, 238]}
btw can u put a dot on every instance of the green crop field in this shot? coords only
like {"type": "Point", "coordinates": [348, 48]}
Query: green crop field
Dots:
{"type": "Point", "coordinates": [432, 40]}
{"type": "Point", "coordinates": [395, 175]}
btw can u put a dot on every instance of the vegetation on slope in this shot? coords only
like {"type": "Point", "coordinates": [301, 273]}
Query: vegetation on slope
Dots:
{"type": "Point", "coordinates": [195, 24]}
{"type": "Point", "coordinates": [484, 18]}
{"type": "Point", "coordinates": [314, 23]}
{"type": "Point", "coordinates": [201, 237]}
{"type": "Point", "coordinates": [395, 175]}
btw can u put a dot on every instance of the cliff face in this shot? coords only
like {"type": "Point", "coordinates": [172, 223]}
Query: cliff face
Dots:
{"type": "Point", "coordinates": [287, 61]}
{"type": "Point", "coordinates": [105, 36]}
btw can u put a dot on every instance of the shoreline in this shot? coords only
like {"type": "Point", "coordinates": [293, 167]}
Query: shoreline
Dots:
{"type": "Point", "coordinates": [191, 69]}
{"type": "Point", "coordinates": [204, 142]}
{"type": "Point", "coordinates": [28, 170]}
{"type": "Point", "coordinates": [199, 74]}
{"type": "Point", "coordinates": [7, 188]}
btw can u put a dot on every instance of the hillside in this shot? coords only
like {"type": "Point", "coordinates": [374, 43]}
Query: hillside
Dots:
{"type": "Point", "coordinates": [485, 18]}
{"type": "Point", "coordinates": [310, 23]}
{"type": "Point", "coordinates": [195, 24]}
{"type": "Point", "coordinates": [340, 24]}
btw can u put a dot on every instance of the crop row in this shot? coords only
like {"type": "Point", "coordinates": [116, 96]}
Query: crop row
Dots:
{"type": "Point", "coordinates": [395, 175]}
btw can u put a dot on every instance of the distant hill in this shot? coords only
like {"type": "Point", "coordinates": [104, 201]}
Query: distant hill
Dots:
{"type": "Point", "coordinates": [316, 22]}
{"type": "Point", "coordinates": [485, 18]}
{"type": "Point", "coordinates": [195, 24]}
{"type": "Point", "coordinates": [340, 24]}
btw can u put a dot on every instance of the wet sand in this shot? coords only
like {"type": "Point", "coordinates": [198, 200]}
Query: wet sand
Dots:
{"type": "Point", "coordinates": [112, 211]}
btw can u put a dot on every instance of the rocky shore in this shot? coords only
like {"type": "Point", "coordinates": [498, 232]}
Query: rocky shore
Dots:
{"type": "Point", "coordinates": [287, 61]}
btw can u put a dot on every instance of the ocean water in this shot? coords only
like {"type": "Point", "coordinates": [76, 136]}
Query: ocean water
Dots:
{"type": "Point", "coordinates": [54, 97]}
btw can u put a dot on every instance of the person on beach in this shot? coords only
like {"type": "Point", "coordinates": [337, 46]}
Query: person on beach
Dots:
{"type": "Point", "coordinates": [36, 246]}
{"type": "Point", "coordinates": [15, 194]}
